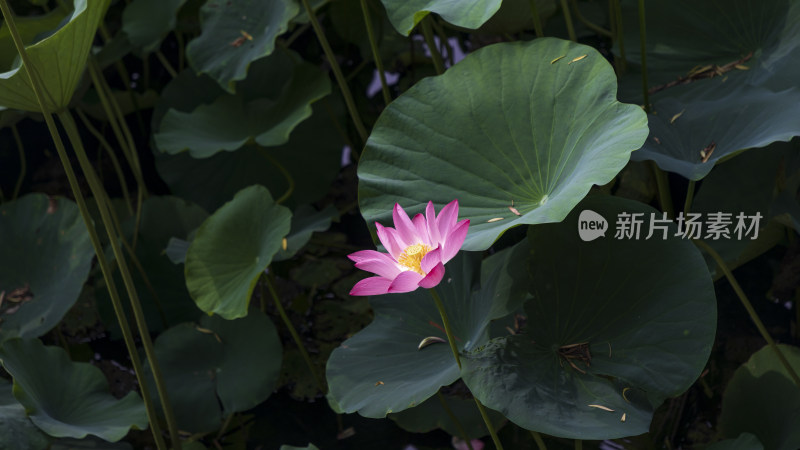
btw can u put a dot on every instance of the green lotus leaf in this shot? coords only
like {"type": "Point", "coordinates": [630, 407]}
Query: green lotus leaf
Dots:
{"type": "Point", "coordinates": [305, 221]}
{"type": "Point", "coordinates": [406, 14]}
{"type": "Point", "coordinates": [218, 367]}
{"type": "Point", "coordinates": [232, 248]}
{"type": "Point", "coordinates": [59, 59]}
{"type": "Point", "coordinates": [431, 415]}
{"type": "Point", "coordinates": [506, 124]}
{"type": "Point", "coordinates": [47, 250]}
{"type": "Point", "coordinates": [146, 22]}
{"type": "Point", "coordinates": [749, 105]}
{"type": "Point", "coordinates": [381, 370]}
{"type": "Point", "coordinates": [745, 441]}
{"type": "Point", "coordinates": [210, 182]}
{"type": "Point", "coordinates": [267, 107]}
{"type": "Point", "coordinates": [65, 398]}
{"type": "Point", "coordinates": [235, 34]}
{"type": "Point", "coordinates": [16, 430]}
{"type": "Point", "coordinates": [163, 295]}
{"type": "Point", "coordinates": [762, 399]}
{"type": "Point", "coordinates": [743, 185]}
{"type": "Point", "coordinates": [29, 28]}
{"type": "Point", "coordinates": [607, 317]}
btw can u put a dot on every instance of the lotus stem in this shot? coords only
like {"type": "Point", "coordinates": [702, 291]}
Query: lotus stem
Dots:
{"type": "Point", "coordinates": [455, 420]}
{"type": "Point", "coordinates": [537, 21]}
{"type": "Point", "coordinates": [539, 441]}
{"type": "Point", "coordinates": [687, 205]}
{"type": "Point", "coordinates": [427, 33]}
{"type": "Point", "coordinates": [568, 20]}
{"type": "Point", "coordinates": [93, 237]}
{"type": "Point", "coordinates": [620, 37]}
{"type": "Point", "coordinates": [643, 44]}
{"type": "Point", "coordinates": [664, 195]}
{"type": "Point", "coordinates": [103, 206]}
{"type": "Point", "coordinates": [596, 28]}
{"type": "Point", "coordinates": [337, 72]}
{"type": "Point", "coordinates": [23, 164]}
{"type": "Point", "coordinates": [749, 307]}
{"type": "Point", "coordinates": [387, 97]}
{"type": "Point", "coordinates": [452, 341]}
{"type": "Point", "coordinates": [267, 280]}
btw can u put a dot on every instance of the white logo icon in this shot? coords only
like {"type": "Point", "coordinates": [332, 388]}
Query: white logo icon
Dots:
{"type": "Point", "coordinates": [591, 225]}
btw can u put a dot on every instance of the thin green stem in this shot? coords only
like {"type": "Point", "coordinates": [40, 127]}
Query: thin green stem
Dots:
{"type": "Point", "coordinates": [664, 195]}
{"type": "Point", "coordinates": [124, 138]}
{"type": "Point", "coordinates": [643, 45]}
{"type": "Point", "coordinates": [127, 335]}
{"type": "Point", "coordinates": [687, 204]}
{"type": "Point", "coordinates": [23, 164]}
{"type": "Point", "coordinates": [568, 20]}
{"type": "Point", "coordinates": [596, 28]}
{"type": "Point", "coordinates": [431, 43]}
{"type": "Point", "coordinates": [144, 334]}
{"type": "Point", "coordinates": [749, 307]}
{"type": "Point", "coordinates": [114, 160]}
{"type": "Point", "coordinates": [267, 280]}
{"type": "Point", "coordinates": [452, 341]}
{"type": "Point", "coordinates": [165, 62]}
{"type": "Point", "coordinates": [337, 72]}
{"type": "Point", "coordinates": [537, 21]}
{"type": "Point", "coordinates": [539, 441]}
{"type": "Point", "coordinates": [284, 172]}
{"type": "Point", "coordinates": [387, 97]}
{"type": "Point", "coordinates": [126, 79]}
{"type": "Point", "coordinates": [461, 430]}
{"type": "Point", "coordinates": [445, 44]}
{"type": "Point", "coordinates": [578, 444]}
{"type": "Point", "coordinates": [620, 37]}
{"type": "Point", "coordinates": [181, 55]}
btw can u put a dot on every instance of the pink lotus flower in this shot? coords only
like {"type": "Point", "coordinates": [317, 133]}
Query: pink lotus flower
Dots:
{"type": "Point", "coordinates": [418, 250]}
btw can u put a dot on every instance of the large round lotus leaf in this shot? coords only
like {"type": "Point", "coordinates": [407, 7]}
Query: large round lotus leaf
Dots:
{"type": "Point", "coordinates": [747, 105]}
{"type": "Point", "coordinates": [16, 430]}
{"type": "Point", "coordinates": [642, 313]}
{"type": "Point", "coordinates": [163, 296]}
{"type": "Point", "coordinates": [506, 124]}
{"type": "Point", "coordinates": [232, 248]}
{"type": "Point", "coordinates": [431, 415]}
{"type": "Point", "coordinates": [743, 185]}
{"type": "Point", "coordinates": [236, 34]}
{"type": "Point", "coordinates": [65, 398]}
{"type": "Point", "coordinates": [146, 22]}
{"type": "Point", "coordinates": [210, 182]}
{"type": "Point", "coordinates": [762, 399]}
{"type": "Point", "coordinates": [218, 367]}
{"type": "Point", "coordinates": [406, 14]}
{"type": "Point", "coordinates": [59, 59]}
{"type": "Point", "coordinates": [276, 97]}
{"type": "Point", "coordinates": [381, 370]}
{"type": "Point", "coordinates": [29, 28]}
{"type": "Point", "coordinates": [47, 257]}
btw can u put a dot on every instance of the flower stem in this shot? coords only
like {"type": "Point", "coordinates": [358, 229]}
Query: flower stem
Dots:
{"type": "Point", "coordinates": [461, 430]}
{"type": "Point", "coordinates": [664, 196]}
{"type": "Point", "coordinates": [749, 307]}
{"type": "Point", "coordinates": [687, 205]}
{"type": "Point", "coordinates": [387, 97]}
{"type": "Point", "coordinates": [267, 280]}
{"type": "Point", "coordinates": [452, 340]}
{"type": "Point", "coordinates": [620, 37]}
{"type": "Point", "coordinates": [337, 72]}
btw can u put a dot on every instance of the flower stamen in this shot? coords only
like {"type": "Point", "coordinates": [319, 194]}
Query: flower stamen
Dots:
{"type": "Point", "coordinates": [411, 258]}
